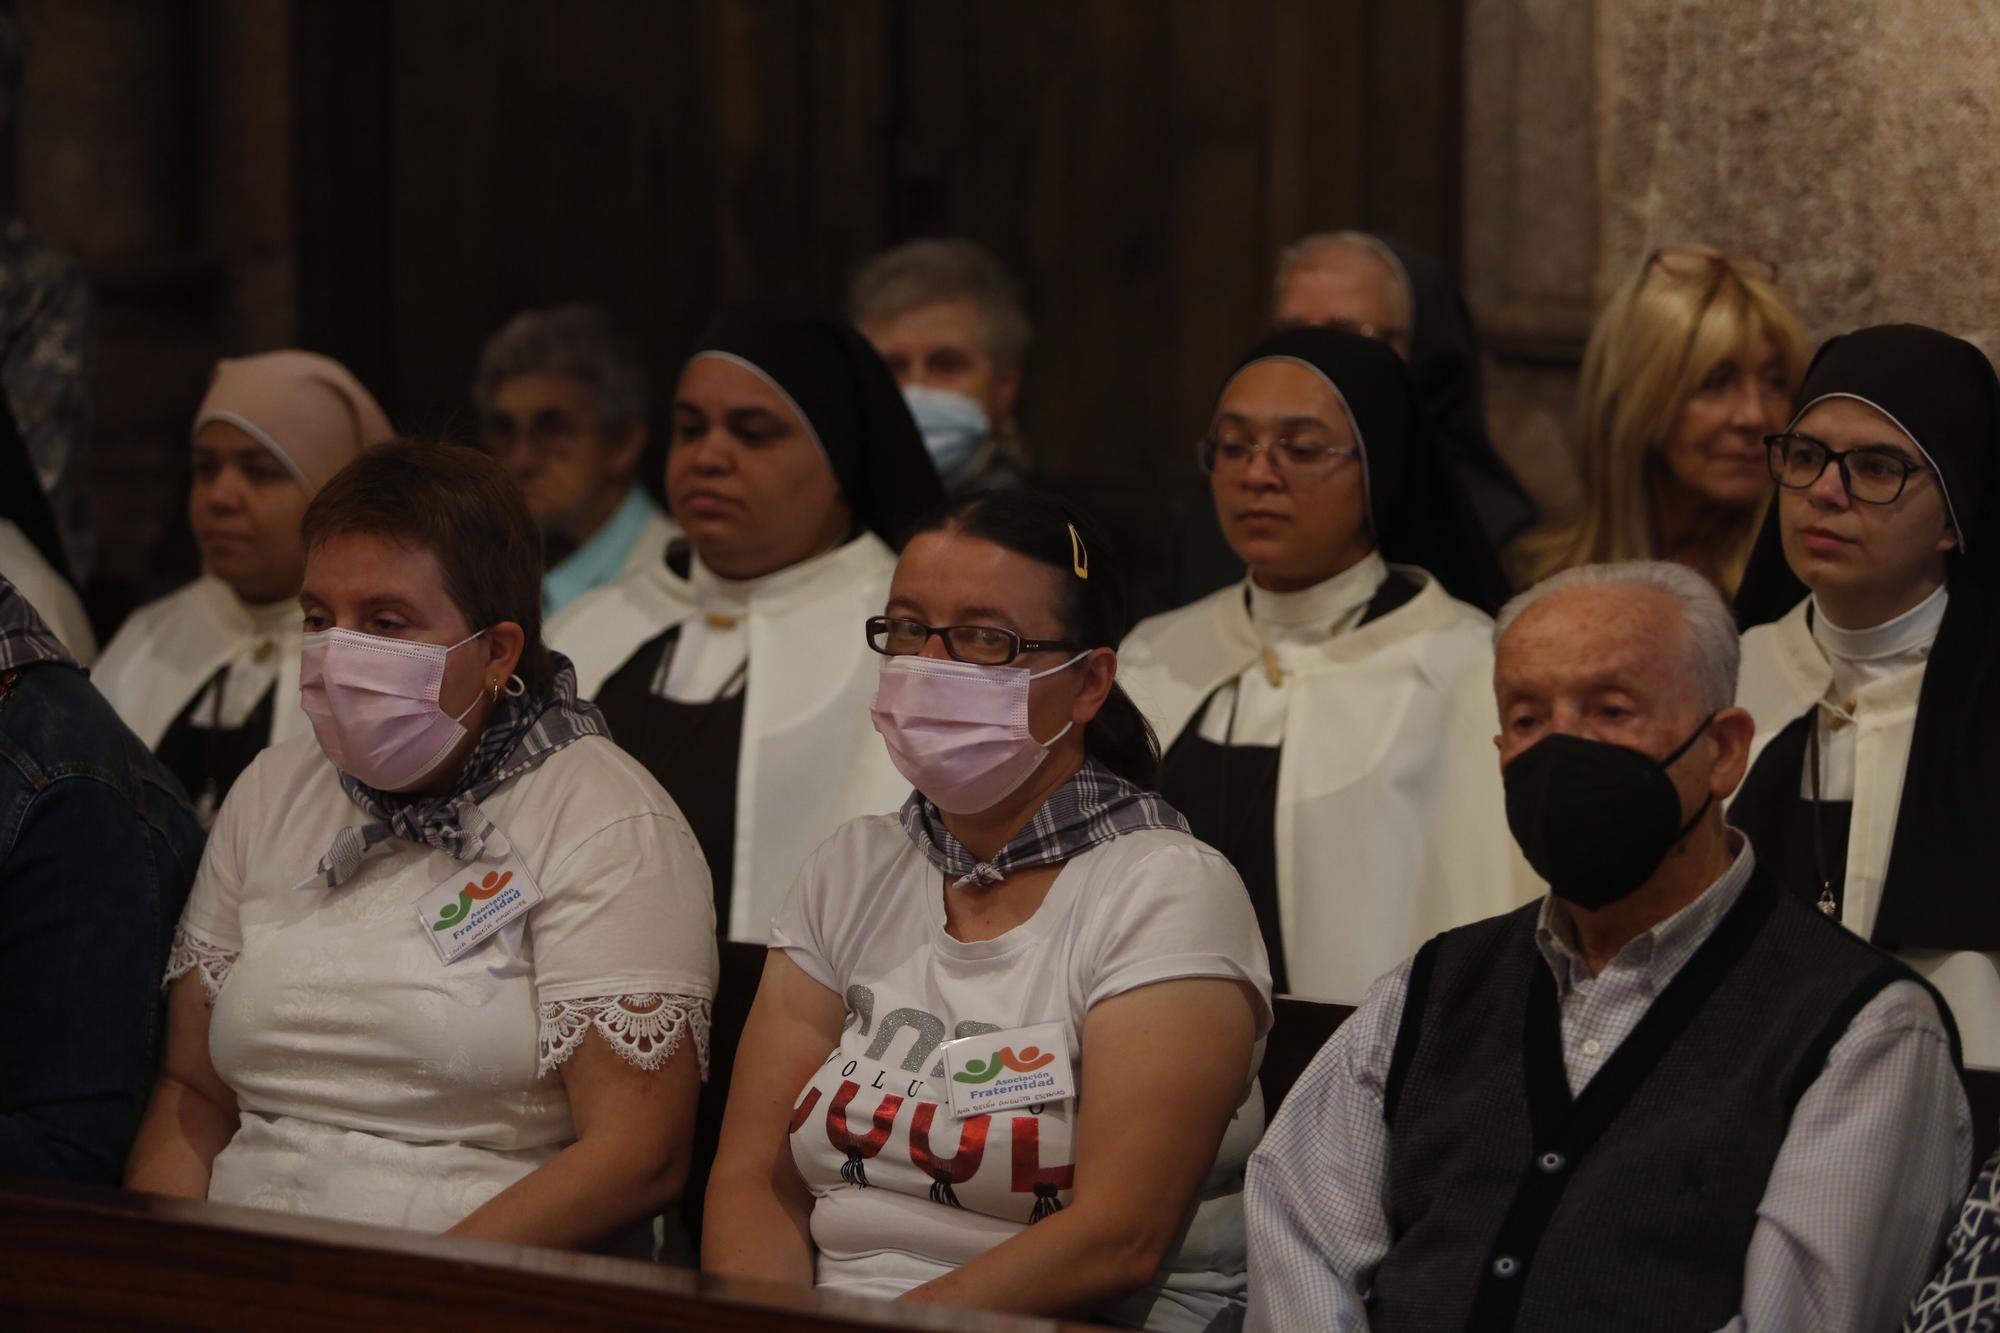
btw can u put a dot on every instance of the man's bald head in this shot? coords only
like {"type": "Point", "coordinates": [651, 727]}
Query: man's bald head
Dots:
{"type": "Point", "coordinates": [1344, 279]}
{"type": "Point", "coordinates": [1635, 606]}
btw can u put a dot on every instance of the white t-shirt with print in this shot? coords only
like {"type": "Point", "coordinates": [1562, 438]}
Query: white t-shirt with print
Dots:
{"type": "Point", "coordinates": [903, 1190]}
{"type": "Point", "coordinates": [378, 1084]}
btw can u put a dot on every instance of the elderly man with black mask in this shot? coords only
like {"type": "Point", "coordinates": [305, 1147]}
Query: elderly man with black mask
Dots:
{"type": "Point", "coordinates": [1669, 1095]}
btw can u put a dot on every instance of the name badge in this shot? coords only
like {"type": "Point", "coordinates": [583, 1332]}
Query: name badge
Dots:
{"type": "Point", "coordinates": [461, 912]}
{"type": "Point", "coordinates": [998, 1071]}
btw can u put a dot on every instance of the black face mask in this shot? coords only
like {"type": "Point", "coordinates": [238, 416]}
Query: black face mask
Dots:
{"type": "Point", "coordinates": [1595, 819]}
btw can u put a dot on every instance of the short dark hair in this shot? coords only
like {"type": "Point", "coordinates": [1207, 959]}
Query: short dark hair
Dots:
{"type": "Point", "coordinates": [1095, 608]}
{"type": "Point", "coordinates": [462, 507]}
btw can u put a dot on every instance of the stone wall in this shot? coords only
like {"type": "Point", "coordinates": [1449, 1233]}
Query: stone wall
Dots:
{"type": "Point", "coordinates": [1856, 143]}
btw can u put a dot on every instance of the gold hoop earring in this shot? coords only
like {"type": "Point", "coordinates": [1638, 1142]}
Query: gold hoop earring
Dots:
{"type": "Point", "coordinates": [493, 692]}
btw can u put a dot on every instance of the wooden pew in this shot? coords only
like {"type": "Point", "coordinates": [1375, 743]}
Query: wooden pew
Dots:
{"type": "Point", "coordinates": [72, 1257]}
{"type": "Point", "coordinates": [100, 1258]}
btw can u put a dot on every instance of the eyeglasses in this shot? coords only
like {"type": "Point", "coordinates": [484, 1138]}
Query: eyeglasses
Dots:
{"type": "Point", "coordinates": [983, 645]}
{"type": "Point", "coordinates": [1871, 474]}
{"type": "Point", "coordinates": [1306, 458]}
{"type": "Point", "coordinates": [1698, 261]}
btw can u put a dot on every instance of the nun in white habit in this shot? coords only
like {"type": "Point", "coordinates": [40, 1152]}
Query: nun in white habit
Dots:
{"type": "Point", "coordinates": [733, 670]}
{"type": "Point", "coordinates": [1873, 668]}
{"type": "Point", "coordinates": [209, 675]}
{"type": "Point", "coordinates": [1329, 721]}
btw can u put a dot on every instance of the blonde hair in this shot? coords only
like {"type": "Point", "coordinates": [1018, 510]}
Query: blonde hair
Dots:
{"type": "Point", "coordinates": [1661, 334]}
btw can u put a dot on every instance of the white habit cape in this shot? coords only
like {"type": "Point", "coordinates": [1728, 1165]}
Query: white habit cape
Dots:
{"type": "Point", "coordinates": [1391, 822]}
{"type": "Point", "coordinates": [1784, 674]}
{"type": "Point", "coordinates": [810, 758]}
{"type": "Point", "coordinates": [167, 650]}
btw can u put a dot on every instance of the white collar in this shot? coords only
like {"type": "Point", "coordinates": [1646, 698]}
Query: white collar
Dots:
{"type": "Point", "coordinates": [260, 620]}
{"type": "Point", "coordinates": [1908, 635]}
{"type": "Point", "coordinates": [1325, 607]}
{"type": "Point", "coordinates": [712, 592]}
{"type": "Point", "coordinates": [1661, 950]}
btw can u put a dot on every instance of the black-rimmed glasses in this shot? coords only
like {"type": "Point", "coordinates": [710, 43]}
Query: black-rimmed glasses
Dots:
{"type": "Point", "coordinates": [1872, 474]}
{"type": "Point", "coordinates": [982, 645]}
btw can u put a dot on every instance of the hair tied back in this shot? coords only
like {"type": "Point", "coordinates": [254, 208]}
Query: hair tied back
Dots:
{"type": "Point", "coordinates": [1079, 559]}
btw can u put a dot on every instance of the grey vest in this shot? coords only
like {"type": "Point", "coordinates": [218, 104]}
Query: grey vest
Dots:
{"type": "Point", "coordinates": [1632, 1207]}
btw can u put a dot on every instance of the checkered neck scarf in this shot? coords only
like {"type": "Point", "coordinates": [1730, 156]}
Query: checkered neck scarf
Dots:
{"type": "Point", "coordinates": [1096, 805]}
{"type": "Point", "coordinates": [521, 734]}
{"type": "Point", "coordinates": [24, 639]}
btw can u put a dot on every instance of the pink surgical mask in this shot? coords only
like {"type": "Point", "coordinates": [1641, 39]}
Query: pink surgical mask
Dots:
{"type": "Point", "coordinates": [959, 731]}
{"type": "Point", "coordinates": [374, 705]}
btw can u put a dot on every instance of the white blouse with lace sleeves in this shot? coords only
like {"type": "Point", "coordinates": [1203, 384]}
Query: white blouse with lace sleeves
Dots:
{"type": "Point", "coordinates": [645, 1030]}
{"type": "Point", "coordinates": [191, 953]}
{"type": "Point", "coordinates": [612, 949]}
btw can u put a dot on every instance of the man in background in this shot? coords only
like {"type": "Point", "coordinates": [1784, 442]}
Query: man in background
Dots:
{"type": "Point", "coordinates": [950, 322]}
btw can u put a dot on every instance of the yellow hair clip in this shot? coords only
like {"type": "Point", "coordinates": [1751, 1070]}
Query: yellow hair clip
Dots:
{"type": "Point", "coordinates": [1078, 557]}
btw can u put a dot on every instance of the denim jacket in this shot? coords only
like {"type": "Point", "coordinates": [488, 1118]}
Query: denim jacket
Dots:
{"type": "Point", "coordinates": [98, 848]}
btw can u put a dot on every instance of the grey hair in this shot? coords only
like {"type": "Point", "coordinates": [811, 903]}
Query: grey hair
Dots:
{"type": "Point", "coordinates": [1714, 649]}
{"type": "Point", "coordinates": [1303, 252]}
{"type": "Point", "coordinates": [574, 340]}
{"type": "Point", "coordinates": [945, 268]}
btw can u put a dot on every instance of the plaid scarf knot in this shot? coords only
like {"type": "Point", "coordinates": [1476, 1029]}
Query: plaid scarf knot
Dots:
{"type": "Point", "coordinates": [1094, 806]}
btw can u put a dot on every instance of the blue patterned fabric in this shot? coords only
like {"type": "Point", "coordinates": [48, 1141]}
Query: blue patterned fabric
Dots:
{"type": "Point", "coordinates": [1964, 1297]}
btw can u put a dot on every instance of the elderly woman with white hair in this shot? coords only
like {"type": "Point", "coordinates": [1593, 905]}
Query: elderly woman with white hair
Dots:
{"type": "Point", "coordinates": [561, 400]}
{"type": "Point", "coordinates": [208, 675]}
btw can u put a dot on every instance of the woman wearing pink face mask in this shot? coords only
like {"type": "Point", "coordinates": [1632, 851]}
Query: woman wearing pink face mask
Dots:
{"type": "Point", "coordinates": [443, 960]}
{"type": "Point", "coordinates": [1033, 912]}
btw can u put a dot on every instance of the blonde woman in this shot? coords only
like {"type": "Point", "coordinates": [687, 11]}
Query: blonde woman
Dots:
{"type": "Point", "coordinates": [1692, 363]}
